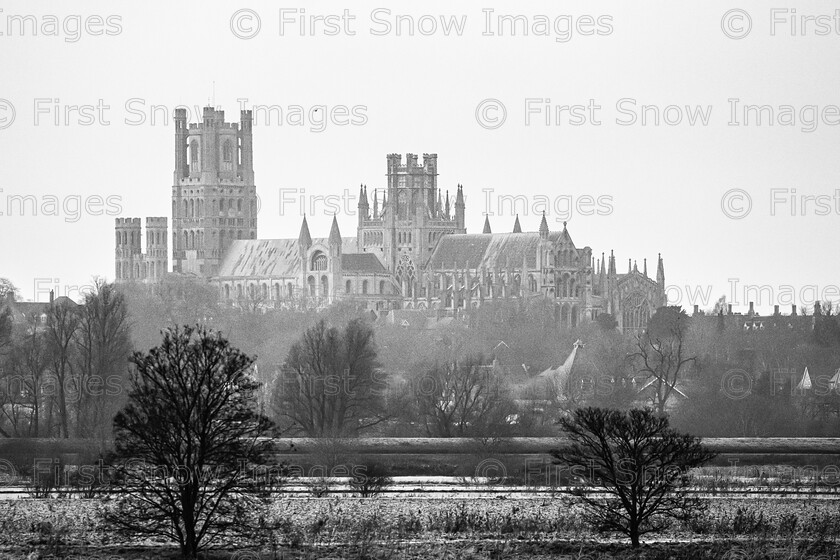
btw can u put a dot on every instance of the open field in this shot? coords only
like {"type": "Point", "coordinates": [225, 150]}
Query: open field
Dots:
{"type": "Point", "coordinates": [464, 499]}
{"type": "Point", "coordinates": [384, 527]}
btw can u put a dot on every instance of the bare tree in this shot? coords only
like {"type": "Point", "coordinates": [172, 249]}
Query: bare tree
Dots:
{"type": "Point", "coordinates": [331, 385]}
{"type": "Point", "coordinates": [102, 359]}
{"type": "Point", "coordinates": [62, 326]}
{"type": "Point", "coordinates": [30, 360]}
{"type": "Point", "coordinates": [462, 398]}
{"type": "Point", "coordinates": [638, 461]}
{"type": "Point", "coordinates": [186, 438]}
{"type": "Point", "coordinates": [662, 354]}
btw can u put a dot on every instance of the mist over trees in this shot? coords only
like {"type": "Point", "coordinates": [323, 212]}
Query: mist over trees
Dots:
{"type": "Point", "coordinates": [692, 355]}
{"type": "Point", "coordinates": [331, 384]}
{"type": "Point", "coordinates": [62, 373]}
{"type": "Point", "coordinates": [66, 377]}
{"type": "Point", "coordinates": [463, 398]}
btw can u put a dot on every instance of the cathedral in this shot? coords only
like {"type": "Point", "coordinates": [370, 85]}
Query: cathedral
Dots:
{"type": "Point", "coordinates": [411, 249]}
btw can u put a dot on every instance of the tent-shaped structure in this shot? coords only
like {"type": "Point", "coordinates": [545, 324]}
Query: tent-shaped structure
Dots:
{"type": "Point", "coordinates": [834, 382]}
{"type": "Point", "coordinates": [559, 376]}
{"type": "Point", "coordinates": [805, 382]}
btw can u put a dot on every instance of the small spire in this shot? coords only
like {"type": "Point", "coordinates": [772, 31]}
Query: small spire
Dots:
{"type": "Point", "coordinates": [304, 238]}
{"type": "Point", "coordinates": [544, 226]}
{"type": "Point", "coordinates": [660, 272]}
{"type": "Point", "coordinates": [375, 205]}
{"type": "Point", "coordinates": [486, 224]}
{"type": "Point", "coordinates": [629, 266]}
{"type": "Point", "coordinates": [447, 204]}
{"type": "Point", "coordinates": [516, 227]}
{"type": "Point", "coordinates": [335, 235]}
{"type": "Point", "coordinates": [646, 268]}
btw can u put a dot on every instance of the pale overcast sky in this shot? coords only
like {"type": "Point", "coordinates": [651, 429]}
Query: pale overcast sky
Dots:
{"type": "Point", "coordinates": [648, 189]}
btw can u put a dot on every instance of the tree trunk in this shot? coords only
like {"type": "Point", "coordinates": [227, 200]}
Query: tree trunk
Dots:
{"type": "Point", "coordinates": [62, 400]}
{"type": "Point", "coordinates": [634, 534]}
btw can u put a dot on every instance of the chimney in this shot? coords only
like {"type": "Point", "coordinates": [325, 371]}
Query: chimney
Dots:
{"type": "Point", "coordinates": [752, 309]}
{"type": "Point", "coordinates": [696, 309]}
{"type": "Point", "coordinates": [729, 309]}
{"type": "Point", "coordinates": [775, 310]}
{"type": "Point", "coordinates": [793, 310]}
{"type": "Point", "coordinates": [52, 296]}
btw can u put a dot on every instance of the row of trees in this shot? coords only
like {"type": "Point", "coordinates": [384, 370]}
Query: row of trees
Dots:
{"type": "Point", "coordinates": [439, 383]}
{"type": "Point", "coordinates": [63, 375]}
{"type": "Point", "coordinates": [351, 374]}
{"type": "Point", "coordinates": [333, 384]}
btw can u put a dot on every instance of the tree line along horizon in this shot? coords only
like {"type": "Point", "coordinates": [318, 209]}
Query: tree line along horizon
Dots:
{"type": "Point", "coordinates": [338, 373]}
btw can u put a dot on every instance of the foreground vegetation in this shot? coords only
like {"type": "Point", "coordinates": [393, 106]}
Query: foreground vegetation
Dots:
{"type": "Point", "coordinates": [532, 527]}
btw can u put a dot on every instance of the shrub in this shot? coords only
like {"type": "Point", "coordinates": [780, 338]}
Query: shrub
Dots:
{"type": "Point", "coordinates": [370, 480]}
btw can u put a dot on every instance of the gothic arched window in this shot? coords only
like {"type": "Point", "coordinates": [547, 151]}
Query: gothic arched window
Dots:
{"type": "Point", "coordinates": [402, 205]}
{"type": "Point", "coordinates": [227, 156]}
{"type": "Point", "coordinates": [319, 261]}
{"type": "Point", "coordinates": [635, 312]}
{"type": "Point", "coordinates": [193, 156]}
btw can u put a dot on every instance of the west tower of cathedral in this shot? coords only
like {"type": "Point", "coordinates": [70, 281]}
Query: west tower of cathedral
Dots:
{"type": "Point", "coordinates": [214, 199]}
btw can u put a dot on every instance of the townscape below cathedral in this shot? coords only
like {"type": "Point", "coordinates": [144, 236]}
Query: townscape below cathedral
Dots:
{"type": "Point", "coordinates": [410, 250]}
